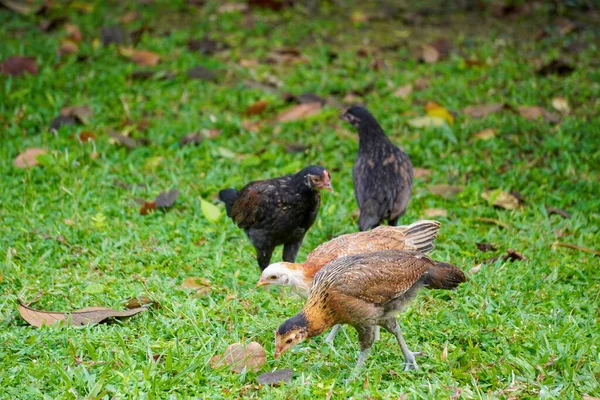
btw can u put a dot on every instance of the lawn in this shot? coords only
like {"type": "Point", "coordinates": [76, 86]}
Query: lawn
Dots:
{"type": "Point", "coordinates": [73, 236]}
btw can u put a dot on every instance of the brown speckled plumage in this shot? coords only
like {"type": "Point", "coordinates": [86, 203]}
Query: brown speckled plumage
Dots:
{"type": "Point", "coordinates": [369, 290]}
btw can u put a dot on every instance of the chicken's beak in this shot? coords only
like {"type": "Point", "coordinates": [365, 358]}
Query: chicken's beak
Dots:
{"type": "Point", "coordinates": [344, 117]}
{"type": "Point", "coordinates": [261, 283]}
{"type": "Point", "coordinates": [277, 353]}
{"type": "Point", "coordinates": [327, 186]}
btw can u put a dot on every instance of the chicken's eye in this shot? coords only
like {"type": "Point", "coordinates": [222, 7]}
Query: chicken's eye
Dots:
{"type": "Point", "coordinates": [273, 277]}
{"type": "Point", "coordinates": [288, 341]}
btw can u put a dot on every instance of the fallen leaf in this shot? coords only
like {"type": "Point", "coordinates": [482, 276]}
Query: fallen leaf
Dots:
{"type": "Point", "coordinates": [67, 47]}
{"type": "Point", "coordinates": [429, 54]}
{"type": "Point", "coordinates": [588, 397]}
{"type": "Point", "coordinates": [483, 110]}
{"type": "Point", "coordinates": [129, 17]}
{"type": "Point", "coordinates": [73, 32]}
{"type": "Point", "coordinates": [190, 138]}
{"type": "Point", "coordinates": [444, 190]}
{"type": "Point", "coordinates": [285, 55]}
{"type": "Point", "coordinates": [404, 91]}
{"type": "Point", "coordinates": [435, 212]}
{"type": "Point", "coordinates": [210, 211]}
{"type": "Point", "coordinates": [232, 7]}
{"type": "Point", "coordinates": [201, 286]}
{"type": "Point", "coordinates": [500, 198]}
{"type": "Point", "coordinates": [80, 113]}
{"type": "Point", "coordinates": [486, 134]}
{"type": "Point", "coordinates": [576, 247]}
{"type": "Point", "coordinates": [475, 269]}
{"type": "Point", "coordinates": [534, 113]}
{"type": "Point", "coordinates": [561, 104]}
{"type": "Point", "coordinates": [276, 377]}
{"type": "Point", "coordinates": [421, 172]}
{"type": "Point", "coordinates": [299, 111]}
{"type": "Point", "coordinates": [19, 65]}
{"type": "Point", "coordinates": [85, 136]}
{"type": "Point", "coordinates": [557, 211]}
{"type": "Point", "coordinates": [126, 141]}
{"type": "Point", "coordinates": [24, 7]}
{"type": "Point", "coordinates": [256, 108]}
{"type": "Point", "coordinates": [239, 357]}
{"type": "Point", "coordinates": [28, 158]}
{"type": "Point", "coordinates": [435, 110]}
{"type": "Point", "coordinates": [206, 45]}
{"type": "Point", "coordinates": [199, 72]}
{"type": "Point", "coordinates": [485, 247]}
{"type": "Point", "coordinates": [421, 84]}
{"type": "Point", "coordinates": [147, 207]}
{"type": "Point", "coordinates": [215, 361]}
{"type": "Point", "coordinates": [140, 301]}
{"type": "Point", "coordinates": [167, 199]}
{"type": "Point", "coordinates": [86, 316]}
{"type": "Point", "coordinates": [426, 122]}
{"type": "Point", "coordinates": [556, 67]}
{"type": "Point", "coordinates": [510, 255]}
{"type": "Point", "coordinates": [144, 58]}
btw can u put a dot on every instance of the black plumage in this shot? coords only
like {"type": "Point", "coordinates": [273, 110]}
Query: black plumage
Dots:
{"type": "Point", "coordinates": [383, 173]}
{"type": "Point", "coordinates": [277, 211]}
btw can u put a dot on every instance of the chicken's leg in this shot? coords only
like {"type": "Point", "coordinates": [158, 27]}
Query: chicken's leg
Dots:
{"type": "Point", "coordinates": [290, 251]}
{"type": "Point", "coordinates": [366, 337]}
{"type": "Point", "coordinates": [409, 357]}
{"type": "Point", "coordinates": [332, 334]}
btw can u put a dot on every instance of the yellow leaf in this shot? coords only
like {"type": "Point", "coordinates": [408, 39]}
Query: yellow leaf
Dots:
{"type": "Point", "coordinates": [210, 211]}
{"type": "Point", "coordinates": [486, 134]}
{"type": "Point", "coordinates": [426, 122]}
{"type": "Point", "coordinates": [435, 110]}
{"type": "Point", "coordinates": [561, 104]}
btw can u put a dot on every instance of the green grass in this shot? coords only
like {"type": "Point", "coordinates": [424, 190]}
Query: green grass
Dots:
{"type": "Point", "coordinates": [522, 330]}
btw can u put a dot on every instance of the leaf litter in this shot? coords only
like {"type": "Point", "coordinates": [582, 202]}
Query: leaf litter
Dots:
{"type": "Point", "coordinates": [28, 158]}
{"type": "Point", "coordinates": [241, 358]}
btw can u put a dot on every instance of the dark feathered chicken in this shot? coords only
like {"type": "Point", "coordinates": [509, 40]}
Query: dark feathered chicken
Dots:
{"type": "Point", "coordinates": [382, 172]}
{"type": "Point", "coordinates": [366, 291]}
{"type": "Point", "coordinates": [277, 211]}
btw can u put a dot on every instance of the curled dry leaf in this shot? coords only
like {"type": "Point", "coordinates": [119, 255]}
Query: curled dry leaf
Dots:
{"type": "Point", "coordinates": [404, 91]}
{"type": "Point", "coordinates": [435, 110]}
{"type": "Point", "coordinates": [256, 108]}
{"type": "Point", "coordinates": [28, 158]}
{"type": "Point", "coordinates": [73, 32]}
{"type": "Point", "coordinates": [167, 199]}
{"type": "Point", "coordinates": [485, 247]}
{"type": "Point", "coordinates": [444, 190]}
{"type": "Point", "coordinates": [421, 172]}
{"type": "Point", "coordinates": [239, 357]}
{"type": "Point", "coordinates": [435, 51]}
{"type": "Point", "coordinates": [140, 301]}
{"type": "Point", "coordinates": [486, 134]}
{"type": "Point", "coordinates": [561, 104]}
{"type": "Point", "coordinates": [435, 212]}
{"type": "Point", "coordinates": [534, 113]}
{"type": "Point", "coordinates": [19, 65]}
{"type": "Point", "coordinates": [147, 207]}
{"type": "Point", "coordinates": [276, 377]}
{"type": "Point", "coordinates": [144, 58]}
{"type": "Point", "coordinates": [80, 113]}
{"type": "Point", "coordinates": [299, 111]}
{"type": "Point", "coordinates": [67, 47]}
{"type": "Point", "coordinates": [86, 316]}
{"type": "Point", "coordinates": [483, 110]}
{"type": "Point", "coordinates": [85, 136]}
{"type": "Point", "coordinates": [201, 286]}
{"type": "Point", "coordinates": [500, 198]}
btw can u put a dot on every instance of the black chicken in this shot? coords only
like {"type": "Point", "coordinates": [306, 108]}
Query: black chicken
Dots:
{"type": "Point", "coordinates": [277, 211]}
{"type": "Point", "coordinates": [382, 172]}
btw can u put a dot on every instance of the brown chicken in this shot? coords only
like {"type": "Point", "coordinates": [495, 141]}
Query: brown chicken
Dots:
{"type": "Point", "coordinates": [365, 291]}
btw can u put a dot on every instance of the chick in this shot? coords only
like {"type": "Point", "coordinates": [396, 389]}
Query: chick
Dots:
{"type": "Point", "coordinates": [365, 291]}
{"type": "Point", "coordinates": [278, 211]}
{"type": "Point", "coordinates": [383, 174]}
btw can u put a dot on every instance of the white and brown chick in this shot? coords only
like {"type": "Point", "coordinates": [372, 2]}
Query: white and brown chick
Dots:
{"type": "Point", "coordinates": [366, 291]}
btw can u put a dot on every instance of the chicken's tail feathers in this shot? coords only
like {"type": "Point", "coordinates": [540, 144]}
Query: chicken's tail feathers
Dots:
{"type": "Point", "coordinates": [228, 196]}
{"type": "Point", "coordinates": [444, 276]}
{"type": "Point", "coordinates": [422, 234]}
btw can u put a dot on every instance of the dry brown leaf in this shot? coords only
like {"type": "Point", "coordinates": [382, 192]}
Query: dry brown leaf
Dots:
{"type": "Point", "coordinates": [232, 7]}
{"type": "Point", "coordinates": [144, 58]}
{"type": "Point", "coordinates": [483, 110]}
{"type": "Point", "coordinates": [286, 55]}
{"type": "Point", "coordinates": [166, 199]}
{"type": "Point", "coordinates": [256, 108]}
{"type": "Point", "coordinates": [129, 17]}
{"type": "Point", "coordinates": [299, 111]}
{"type": "Point", "coordinates": [435, 212]}
{"type": "Point", "coordinates": [24, 7]}
{"type": "Point", "coordinates": [86, 316]}
{"type": "Point", "coordinates": [486, 134]}
{"type": "Point", "coordinates": [588, 397]}
{"type": "Point", "coordinates": [501, 199]}
{"type": "Point", "coordinates": [404, 91]}
{"type": "Point", "coordinates": [74, 32]}
{"type": "Point", "coordinates": [485, 247]}
{"type": "Point", "coordinates": [421, 84]}
{"type": "Point", "coordinates": [475, 269]}
{"type": "Point", "coordinates": [140, 301]}
{"type": "Point", "coordinates": [80, 113]}
{"type": "Point", "coordinates": [534, 113]}
{"type": "Point", "coordinates": [67, 47]}
{"type": "Point", "coordinates": [28, 158]}
{"type": "Point", "coordinates": [147, 207]}
{"type": "Point", "coordinates": [200, 285]}
{"type": "Point", "coordinates": [421, 172]}
{"type": "Point", "coordinates": [446, 191]}
{"type": "Point", "coordinates": [19, 65]}
{"type": "Point", "coordinates": [239, 357]}
{"type": "Point", "coordinates": [561, 104]}
{"type": "Point", "coordinates": [275, 378]}
{"type": "Point", "coordinates": [85, 136]}
{"type": "Point", "coordinates": [429, 54]}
